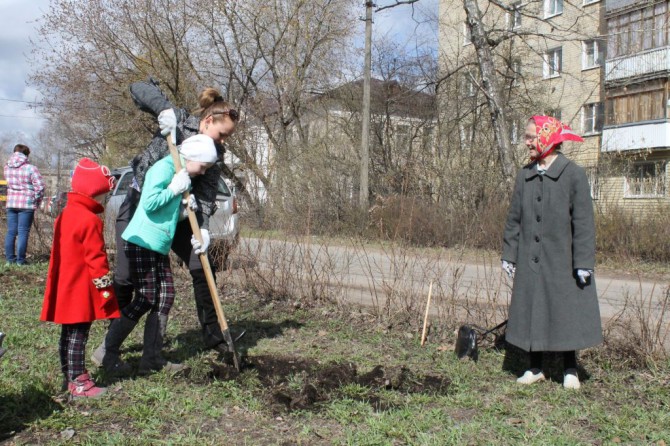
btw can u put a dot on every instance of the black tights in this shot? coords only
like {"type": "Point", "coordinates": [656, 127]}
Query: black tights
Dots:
{"type": "Point", "coordinates": [569, 360]}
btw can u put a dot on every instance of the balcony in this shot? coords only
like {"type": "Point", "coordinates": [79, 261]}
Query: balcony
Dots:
{"type": "Point", "coordinates": [613, 5]}
{"type": "Point", "coordinates": [636, 136]}
{"type": "Point", "coordinates": [645, 63]}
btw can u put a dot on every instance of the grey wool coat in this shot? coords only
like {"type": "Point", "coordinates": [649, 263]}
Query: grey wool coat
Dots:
{"type": "Point", "coordinates": [549, 234]}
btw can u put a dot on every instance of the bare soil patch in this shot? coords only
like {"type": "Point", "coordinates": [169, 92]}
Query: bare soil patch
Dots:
{"type": "Point", "coordinates": [290, 383]}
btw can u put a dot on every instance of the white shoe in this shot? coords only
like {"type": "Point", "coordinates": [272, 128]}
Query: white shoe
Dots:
{"type": "Point", "coordinates": [530, 378]}
{"type": "Point", "coordinates": [571, 381]}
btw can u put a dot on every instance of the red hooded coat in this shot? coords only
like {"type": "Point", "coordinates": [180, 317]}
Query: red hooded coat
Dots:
{"type": "Point", "coordinates": [77, 257]}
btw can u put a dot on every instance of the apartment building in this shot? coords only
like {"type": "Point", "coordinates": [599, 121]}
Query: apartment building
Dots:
{"type": "Point", "coordinates": [602, 67]}
{"type": "Point", "coordinates": [636, 133]}
{"type": "Point", "coordinates": [549, 54]}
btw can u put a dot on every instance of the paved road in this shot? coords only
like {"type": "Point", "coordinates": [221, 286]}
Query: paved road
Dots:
{"type": "Point", "coordinates": [373, 276]}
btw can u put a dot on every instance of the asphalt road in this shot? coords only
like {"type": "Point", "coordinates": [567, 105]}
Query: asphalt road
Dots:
{"type": "Point", "coordinates": [374, 276]}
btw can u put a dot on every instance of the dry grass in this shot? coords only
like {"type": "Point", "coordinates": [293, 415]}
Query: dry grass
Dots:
{"type": "Point", "coordinates": [624, 236]}
{"type": "Point", "coordinates": [639, 334]}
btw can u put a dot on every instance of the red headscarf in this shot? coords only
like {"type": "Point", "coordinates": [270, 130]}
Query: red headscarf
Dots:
{"type": "Point", "coordinates": [550, 133]}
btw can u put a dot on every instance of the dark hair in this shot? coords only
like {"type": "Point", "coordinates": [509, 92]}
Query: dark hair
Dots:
{"type": "Point", "coordinates": [212, 104]}
{"type": "Point", "coordinates": [22, 148]}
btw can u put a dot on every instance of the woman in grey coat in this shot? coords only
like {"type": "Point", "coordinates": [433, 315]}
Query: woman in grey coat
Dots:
{"type": "Point", "coordinates": [549, 250]}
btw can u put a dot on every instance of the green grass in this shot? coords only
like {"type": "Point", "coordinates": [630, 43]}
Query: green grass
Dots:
{"type": "Point", "coordinates": [483, 405]}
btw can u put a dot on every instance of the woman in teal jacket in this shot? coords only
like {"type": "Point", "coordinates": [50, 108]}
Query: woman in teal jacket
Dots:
{"type": "Point", "coordinates": [148, 239]}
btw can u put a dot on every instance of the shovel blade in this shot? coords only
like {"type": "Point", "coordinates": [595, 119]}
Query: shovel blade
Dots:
{"type": "Point", "coordinates": [466, 343]}
{"type": "Point", "coordinates": [231, 349]}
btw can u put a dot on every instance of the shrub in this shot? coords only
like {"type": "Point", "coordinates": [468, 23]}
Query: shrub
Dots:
{"type": "Point", "coordinates": [621, 234]}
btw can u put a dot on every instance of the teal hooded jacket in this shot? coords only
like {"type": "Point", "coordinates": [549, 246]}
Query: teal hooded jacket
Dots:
{"type": "Point", "coordinates": [154, 223]}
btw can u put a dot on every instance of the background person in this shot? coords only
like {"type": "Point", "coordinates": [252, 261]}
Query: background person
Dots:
{"type": "Point", "coordinates": [25, 190]}
{"type": "Point", "coordinates": [549, 249]}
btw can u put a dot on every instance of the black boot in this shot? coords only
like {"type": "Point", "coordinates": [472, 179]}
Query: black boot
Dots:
{"type": "Point", "coordinates": [211, 331]}
{"type": "Point", "coordinates": [152, 358]}
{"type": "Point", "coordinates": [119, 330]}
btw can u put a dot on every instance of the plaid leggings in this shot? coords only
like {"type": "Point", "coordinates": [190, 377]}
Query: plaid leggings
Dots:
{"type": "Point", "coordinates": [72, 349]}
{"type": "Point", "coordinates": [152, 278]}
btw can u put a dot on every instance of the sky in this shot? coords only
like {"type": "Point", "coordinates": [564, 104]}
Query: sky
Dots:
{"type": "Point", "coordinates": [407, 23]}
{"type": "Point", "coordinates": [17, 26]}
{"type": "Point", "coordinates": [18, 23]}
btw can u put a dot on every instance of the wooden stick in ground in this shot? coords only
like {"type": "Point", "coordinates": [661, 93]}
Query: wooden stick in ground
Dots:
{"type": "Point", "coordinates": [207, 268]}
{"type": "Point", "coordinates": [425, 318]}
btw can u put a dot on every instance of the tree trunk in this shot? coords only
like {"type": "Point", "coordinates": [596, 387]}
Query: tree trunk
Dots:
{"type": "Point", "coordinates": [491, 88]}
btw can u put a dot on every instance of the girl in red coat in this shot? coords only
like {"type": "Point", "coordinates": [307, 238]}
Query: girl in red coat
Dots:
{"type": "Point", "coordinates": [79, 283]}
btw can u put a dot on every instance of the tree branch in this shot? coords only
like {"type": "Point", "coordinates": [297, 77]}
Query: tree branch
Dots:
{"type": "Point", "coordinates": [397, 3]}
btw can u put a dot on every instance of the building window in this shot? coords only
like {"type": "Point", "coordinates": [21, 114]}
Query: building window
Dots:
{"type": "Point", "coordinates": [516, 72]}
{"type": "Point", "coordinates": [639, 30]}
{"type": "Point", "coordinates": [467, 34]}
{"type": "Point", "coordinates": [514, 16]}
{"type": "Point", "coordinates": [594, 183]}
{"type": "Point", "coordinates": [645, 102]}
{"type": "Point", "coordinates": [514, 132]}
{"type": "Point", "coordinates": [428, 139]}
{"type": "Point", "coordinates": [552, 8]}
{"type": "Point", "coordinates": [466, 132]}
{"type": "Point", "coordinates": [553, 63]}
{"type": "Point", "coordinates": [590, 2]}
{"type": "Point", "coordinates": [555, 113]}
{"type": "Point", "coordinates": [469, 85]}
{"type": "Point", "coordinates": [592, 54]}
{"type": "Point", "coordinates": [402, 137]}
{"type": "Point", "coordinates": [592, 118]}
{"type": "Point", "coordinates": [646, 180]}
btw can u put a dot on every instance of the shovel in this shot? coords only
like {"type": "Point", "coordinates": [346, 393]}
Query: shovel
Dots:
{"type": "Point", "coordinates": [213, 291]}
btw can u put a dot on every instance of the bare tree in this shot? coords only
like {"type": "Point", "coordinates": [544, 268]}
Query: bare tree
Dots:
{"type": "Point", "coordinates": [89, 54]}
{"type": "Point", "coordinates": [267, 57]}
{"type": "Point", "coordinates": [490, 86]}
{"type": "Point", "coordinates": [273, 56]}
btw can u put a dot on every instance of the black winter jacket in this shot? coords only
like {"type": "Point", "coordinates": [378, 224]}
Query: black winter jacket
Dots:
{"type": "Point", "coordinates": [149, 98]}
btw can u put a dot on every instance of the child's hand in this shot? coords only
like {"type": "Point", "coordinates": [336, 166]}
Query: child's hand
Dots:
{"type": "Point", "coordinates": [180, 183]}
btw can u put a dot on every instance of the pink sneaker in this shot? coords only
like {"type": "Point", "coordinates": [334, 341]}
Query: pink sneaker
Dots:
{"type": "Point", "coordinates": [83, 386]}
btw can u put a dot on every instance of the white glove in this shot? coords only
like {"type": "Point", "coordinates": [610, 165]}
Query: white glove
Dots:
{"type": "Point", "coordinates": [180, 183]}
{"type": "Point", "coordinates": [584, 276]}
{"type": "Point", "coordinates": [197, 247]}
{"type": "Point", "coordinates": [167, 121]}
{"type": "Point", "coordinates": [191, 204]}
{"type": "Point", "coordinates": [509, 268]}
